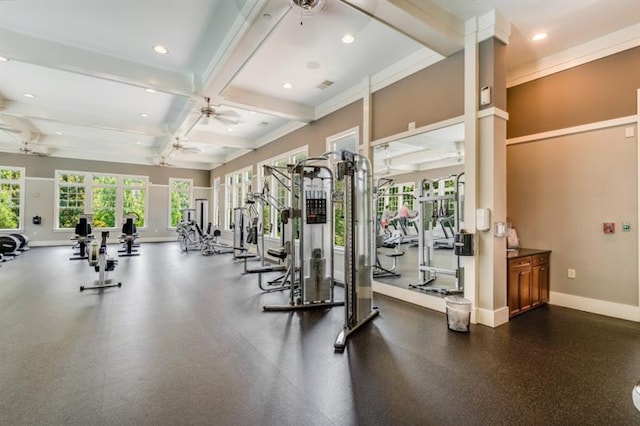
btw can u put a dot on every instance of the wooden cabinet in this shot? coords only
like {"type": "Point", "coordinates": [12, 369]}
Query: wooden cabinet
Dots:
{"type": "Point", "coordinates": [527, 280]}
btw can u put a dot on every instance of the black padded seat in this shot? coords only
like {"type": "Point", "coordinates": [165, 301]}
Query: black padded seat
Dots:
{"type": "Point", "coordinates": [279, 253]}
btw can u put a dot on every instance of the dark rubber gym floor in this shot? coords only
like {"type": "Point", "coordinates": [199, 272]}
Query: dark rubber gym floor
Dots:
{"type": "Point", "coordinates": [184, 341]}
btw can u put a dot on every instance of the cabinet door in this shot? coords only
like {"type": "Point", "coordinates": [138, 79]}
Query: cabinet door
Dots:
{"type": "Point", "coordinates": [519, 285]}
{"type": "Point", "coordinates": [524, 282]}
{"type": "Point", "coordinates": [540, 279]}
{"type": "Point", "coordinates": [544, 283]}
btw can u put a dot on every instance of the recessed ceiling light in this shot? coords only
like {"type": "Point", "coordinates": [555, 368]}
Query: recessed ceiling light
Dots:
{"type": "Point", "coordinates": [144, 115]}
{"type": "Point", "coordinates": [348, 38]}
{"type": "Point", "coordinates": [3, 59]}
{"type": "Point", "coordinates": [29, 95]}
{"type": "Point", "coordinates": [539, 36]}
{"type": "Point", "coordinates": [287, 85]}
{"type": "Point", "coordinates": [150, 90]}
{"type": "Point", "coordinates": [229, 129]}
{"type": "Point", "coordinates": [138, 142]}
{"type": "Point", "coordinates": [59, 133]}
{"type": "Point", "coordinates": [158, 48]}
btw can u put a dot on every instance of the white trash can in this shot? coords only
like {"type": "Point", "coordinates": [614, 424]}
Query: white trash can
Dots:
{"type": "Point", "coordinates": [458, 313]}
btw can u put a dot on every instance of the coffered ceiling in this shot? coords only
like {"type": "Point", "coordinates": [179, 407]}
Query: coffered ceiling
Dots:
{"type": "Point", "coordinates": [101, 92]}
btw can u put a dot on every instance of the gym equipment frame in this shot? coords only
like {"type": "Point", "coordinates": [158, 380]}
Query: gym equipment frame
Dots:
{"type": "Point", "coordinates": [359, 244]}
{"type": "Point", "coordinates": [435, 206]}
{"type": "Point", "coordinates": [310, 260]}
{"type": "Point", "coordinates": [99, 260]}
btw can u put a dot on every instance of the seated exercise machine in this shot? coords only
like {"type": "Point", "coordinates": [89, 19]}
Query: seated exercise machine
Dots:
{"type": "Point", "coordinates": [129, 236]}
{"type": "Point", "coordinates": [309, 257]}
{"type": "Point", "coordinates": [82, 238]}
{"type": "Point", "coordinates": [359, 244]}
{"type": "Point", "coordinates": [102, 264]}
{"type": "Point", "coordinates": [380, 271]}
{"type": "Point", "coordinates": [212, 245]}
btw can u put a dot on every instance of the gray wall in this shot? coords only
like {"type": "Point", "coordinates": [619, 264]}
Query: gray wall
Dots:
{"type": "Point", "coordinates": [560, 191]}
{"type": "Point", "coordinates": [40, 190]}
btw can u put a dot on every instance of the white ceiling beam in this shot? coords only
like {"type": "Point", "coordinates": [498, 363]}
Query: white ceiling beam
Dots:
{"type": "Point", "coordinates": [204, 137]}
{"type": "Point", "coordinates": [422, 20]}
{"type": "Point", "coordinates": [251, 32]}
{"type": "Point", "coordinates": [246, 99]}
{"type": "Point", "coordinates": [19, 110]}
{"type": "Point", "coordinates": [252, 28]}
{"type": "Point", "coordinates": [58, 56]}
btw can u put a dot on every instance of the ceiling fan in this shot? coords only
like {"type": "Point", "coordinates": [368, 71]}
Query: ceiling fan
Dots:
{"type": "Point", "coordinates": [207, 112]}
{"type": "Point", "coordinates": [164, 163]}
{"type": "Point", "coordinates": [178, 146]}
{"type": "Point", "coordinates": [25, 149]}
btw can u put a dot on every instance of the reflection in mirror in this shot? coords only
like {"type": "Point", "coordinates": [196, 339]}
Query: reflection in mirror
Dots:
{"type": "Point", "coordinates": [420, 187]}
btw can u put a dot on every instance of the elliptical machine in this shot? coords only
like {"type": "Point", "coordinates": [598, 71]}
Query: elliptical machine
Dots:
{"type": "Point", "coordinates": [99, 260]}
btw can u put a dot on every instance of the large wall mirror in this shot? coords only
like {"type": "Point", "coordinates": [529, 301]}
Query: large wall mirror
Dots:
{"type": "Point", "coordinates": [419, 203]}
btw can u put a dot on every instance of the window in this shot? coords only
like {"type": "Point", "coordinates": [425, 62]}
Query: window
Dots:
{"type": "Point", "coordinates": [277, 189]}
{"type": "Point", "coordinates": [108, 197]}
{"type": "Point", "coordinates": [345, 141]}
{"type": "Point", "coordinates": [134, 199]}
{"type": "Point", "coordinates": [180, 195]}
{"type": "Point", "coordinates": [103, 201]}
{"type": "Point", "coordinates": [395, 196]}
{"type": "Point", "coordinates": [237, 188]}
{"type": "Point", "coordinates": [11, 197]}
{"type": "Point", "coordinates": [216, 201]}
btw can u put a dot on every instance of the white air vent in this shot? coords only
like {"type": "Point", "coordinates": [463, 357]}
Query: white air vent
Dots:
{"type": "Point", "coordinates": [324, 84]}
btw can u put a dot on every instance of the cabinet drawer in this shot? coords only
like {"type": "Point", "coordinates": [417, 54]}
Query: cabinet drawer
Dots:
{"type": "Point", "coordinates": [540, 259]}
{"type": "Point", "coordinates": [520, 262]}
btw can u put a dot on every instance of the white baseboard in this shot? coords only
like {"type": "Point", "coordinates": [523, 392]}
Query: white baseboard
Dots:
{"type": "Point", "coordinates": [600, 307]}
{"type": "Point", "coordinates": [420, 299]}
{"type": "Point", "coordinates": [491, 318]}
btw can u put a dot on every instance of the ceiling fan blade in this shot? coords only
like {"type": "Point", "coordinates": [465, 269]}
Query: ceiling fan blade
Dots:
{"type": "Point", "coordinates": [227, 120]}
{"type": "Point", "coordinates": [227, 113]}
{"type": "Point", "coordinates": [191, 150]}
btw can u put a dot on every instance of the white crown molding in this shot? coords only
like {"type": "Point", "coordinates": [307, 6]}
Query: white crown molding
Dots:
{"type": "Point", "coordinates": [495, 112]}
{"type": "Point", "coordinates": [610, 44]}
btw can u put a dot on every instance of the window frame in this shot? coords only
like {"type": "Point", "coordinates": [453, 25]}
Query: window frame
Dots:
{"type": "Point", "coordinates": [170, 192]}
{"type": "Point", "coordinates": [288, 157]}
{"type": "Point", "coordinates": [89, 185]}
{"type": "Point", "coordinates": [21, 184]}
{"type": "Point", "coordinates": [238, 184]}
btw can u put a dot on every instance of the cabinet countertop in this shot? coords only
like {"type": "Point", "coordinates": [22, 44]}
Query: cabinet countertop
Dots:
{"type": "Point", "coordinates": [522, 252]}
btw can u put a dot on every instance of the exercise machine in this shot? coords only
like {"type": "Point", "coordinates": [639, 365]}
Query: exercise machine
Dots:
{"type": "Point", "coordinates": [9, 247]}
{"type": "Point", "coordinates": [440, 200]}
{"type": "Point", "coordinates": [188, 237]}
{"type": "Point", "coordinates": [379, 271]}
{"type": "Point", "coordinates": [211, 243]}
{"type": "Point", "coordinates": [359, 243]}
{"type": "Point", "coordinates": [83, 237]}
{"type": "Point", "coordinates": [102, 263]}
{"type": "Point", "coordinates": [263, 199]}
{"type": "Point", "coordinates": [244, 232]}
{"type": "Point", "coordinates": [129, 236]}
{"type": "Point", "coordinates": [310, 218]}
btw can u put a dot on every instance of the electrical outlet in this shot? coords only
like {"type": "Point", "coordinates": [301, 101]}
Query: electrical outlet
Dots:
{"type": "Point", "coordinates": [571, 273]}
